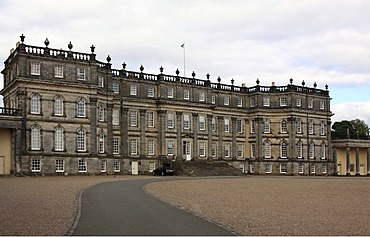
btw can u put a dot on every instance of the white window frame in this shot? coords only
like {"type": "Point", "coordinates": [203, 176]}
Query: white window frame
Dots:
{"type": "Point", "coordinates": [59, 139]}
{"type": "Point", "coordinates": [266, 101]}
{"type": "Point", "coordinates": [299, 126]}
{"type": "Point", "coordinates": [103, 166]}
{"type": "Point", "coordinates": [35, 68]}
{"type": "Point", "coordinates": [299, 102]}
{"type": "Point", "coordinates": [58, 71]}
{"type": "Point", "coordinates": [117, 166]}
{"type": "Point", "coordinates": [253, 150]}
{"type": "Point", "coordinates": [115, 87]}
{"type": "Point", "coordinates": [202, 149]}
{"type": "Point", "coordinates": [267, 150]}
{"type": "Point", "coordinates": [82, 165]}
{"type": "Point", "coordinates": [226, 100]}
{"type": "Point", "coordinates": [81, 74]}
{"type": "Point", "coordinates": [170, 93]}
{"type": "Point", "coordinates": [253, 127]}
{"type": "Point", "coordinates": [311, 150]}
{"type": "Point", "coordinates": [213, 99]}
{"type": "Point", "coordinates": [186, 122]}
{"type": "Point", "coordinates": [150, 91]}
{"type": "Point", "coordinates": [150, 119]}
{"type": "Point", "coordinates": [283, 101]}
{"type": "Point", "coordinates": [322, 128]}
{"type": "Point", "coordinates": [310, 104]}
{"type": "Point", "coordinates": [214, 150]}
{"type": "Point", "coordinates": [283, 168]}
{"type": "Point", "coordinates": [115, 117]}
{"type": "Point", "coordinates": [323, 152]}
{"type": "Point", "coordinates": [202, 96]}
{"type": "Point", "coordinates": [36, 138]}
{"type": "Point", "coordinates": [266, 126]}
{"type": "Point", "coordinates": [226, 125]}
{"type": "Point", "coordinates": [202, 122]}
{"type": "Point", "coordinates": [312, 168]}
{"type": "Point", "coordinates": [239, 102]}
{"type": "Point", "coordinates": [115, 145]}
{"type": "Point", "coordinates": [133, 119]}
{"type": "Point", "coordinates": [214, 124]}
{"type": "Point", "coordinates": [239, 126]}
{"type": "Point", "coordinates": [59, 165]}
{"type": "Point", "coordinates": [324, 168]}
{"type": "Point", "coordinates": [150, 147]}
{"type": "Point", "coordinates": [133, 146]}
{"type": "Point", "coordinates": [81, 108]}
{"type": "Point", "coordinates": [170, 147]}
{"type": "Point", "coordinates": [240, 151]}
{"type": "Point", "coordinates": [35, 104]}
{"type": "Point", "coordinates": [284, 150]}
{"type": "Point", "coordinates": [101, 113]}
{"type": "Point", "coordinates": [268, 168]}
{"type": "Point", "coordinates": [35, 165]}
{"type": "Point", "coordinates": [322, 104]}
{"type": "Point", "coordinates": [81, 140]}
{"type": "Point", "coordinates": [151, 166]}
{"type": "Point", "coordinates": [101, 146]}
{"type": "Point", "coordinates": [227, 150]}
{"type": "Point", "coordinates": [299, 150]}
{"type": "Point", "coordinates": [133, 89]}
{"type": "Point", "coordinates": [101, 81]}
{"type": "Point", "coordinates": [58, 106]}
{"type": "Point", "coordinates": [300, 168]}
{"type": "Point", "coordinates": [170, 120]}
{"type": "Point", "coordinates": [186, 94]}
{"type": "Point", "coordinates": [284, 126]}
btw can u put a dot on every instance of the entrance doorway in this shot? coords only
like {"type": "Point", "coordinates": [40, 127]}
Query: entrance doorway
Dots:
{"type": "Point", "coordinates": [362, 169]}
{"type": "Point", "coordinates": [187, 149]}
{"type": "Point", "coordinates": [134, 167]}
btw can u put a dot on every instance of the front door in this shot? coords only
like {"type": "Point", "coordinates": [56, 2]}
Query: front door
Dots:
{"type": "Point", "coordinates": [187, 150]}
{"type": "Point", "coordinates": [362, 169]}
{"type": "Point", "coordinates": [135, 167]}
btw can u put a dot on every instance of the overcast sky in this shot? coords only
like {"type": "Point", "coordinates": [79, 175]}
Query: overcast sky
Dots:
{"type": "Point", "coordinates": [327, 42]}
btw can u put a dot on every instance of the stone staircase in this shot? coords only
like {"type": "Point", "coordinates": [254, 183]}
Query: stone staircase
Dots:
{"type": "Point", "coordinates": [205, 168]}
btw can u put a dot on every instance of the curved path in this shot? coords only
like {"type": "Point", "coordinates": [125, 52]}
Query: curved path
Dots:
{"type": "Point", "coordinates": [123, 208]}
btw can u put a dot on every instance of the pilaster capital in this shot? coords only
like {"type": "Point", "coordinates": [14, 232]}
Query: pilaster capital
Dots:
{"type": "Point", "coordinates": [93, 101]}
{"type": "Point", "coordinates": [142, 111]}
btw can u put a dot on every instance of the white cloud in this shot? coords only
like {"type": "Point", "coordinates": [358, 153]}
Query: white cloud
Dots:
{"type": "Point", "coordinates": [351, 110]}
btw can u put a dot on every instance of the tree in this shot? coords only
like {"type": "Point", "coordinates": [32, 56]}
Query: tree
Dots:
{"type": "Point", "coordinates": [354, 129]}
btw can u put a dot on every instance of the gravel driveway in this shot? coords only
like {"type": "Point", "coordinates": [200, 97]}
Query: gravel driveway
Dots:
{"type": "Point", "coordinates": [253, 205]}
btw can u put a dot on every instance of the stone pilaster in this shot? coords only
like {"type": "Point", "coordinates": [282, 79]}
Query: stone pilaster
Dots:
{"type": "Point", "coordinates": [292, 135]}
{"type": "Point", "coordinates": [221, 131]}
{"type": "Point", "coordinates": [110, 129]}
{"type": "Point", "coordinates": [259, 142]}
{"type": "Point", "coordinates": [142, 133]}
{"type": "Point", "coordinates": [178, 139]}
{"type": "Point", "coordinates": [161, 134]}
{"type": "Point", "coordinates": [234, 148]}
{"type": "Point", "coordinates": [209, 127]}
{"type": "Point", "coordinates": [368, 161]}
{"type": "Point", "coordinates": [195, 136]}
{"type": "Point", "coordinates": [93, 112]}
{"type": "Point", "coordinates": [124, 132]}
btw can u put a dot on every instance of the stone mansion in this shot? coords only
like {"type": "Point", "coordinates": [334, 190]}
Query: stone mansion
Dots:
{"type": "Point", "coordinates": [76, 114]}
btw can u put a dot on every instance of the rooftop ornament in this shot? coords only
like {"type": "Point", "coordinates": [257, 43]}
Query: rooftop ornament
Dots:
{"type": "Point", "coordinates": [315, 84]}
{"type": "Point", "coordinates": [124, 66]}
{"type": "Point", "coordinates": [291, 81]}
{"type": "Point", "coordinates": [22, 38]}
{"type": "Point", "coordinates": [108, 59]}
{"type": "Point", "coordinates": [161, 69]}
{"type": "Point", "coordinates": [177, 72]}
{"type": "Point", "coordinates": [46, 42]}
{"type": "Point", "coordinates": [326, 87]}
{"type": "Point", "coordinates": [258, 81]}
{"type": "Point", "coordinates": [219, 79]}
{"type": "Point", "coordinates": [92, 48]}
{"type": "Point", "coordinates": [232, 81]}
{"type": "Point", "coordinates": [70, 46]}
{"type": "Point", "coordinates": [303, 83]}
{"type": "Point", "coordinates": [141, 68]}
{"type": "Point", "coordinates": [208, 76]}
{"type": "Point", "coordinates": [193, 74]}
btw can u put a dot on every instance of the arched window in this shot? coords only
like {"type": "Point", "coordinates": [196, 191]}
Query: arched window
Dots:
{"type": "Point", "coordinates": [81, 140]}
{"type": "Point", "coordinates": [35, 138]}
{"type": "Point", "coordinates": [59, 139]}
{"type": "Point", "coordinates": [299, 150]}
{"type": "Point", "coordinates": [312, 150]}
{"type": "Point", "coordinates": [267, 150]}
{"type": "Point", "coordinates": [322, 151]}
{"type": "Point", "coordinates": [284, 127]}
{"type": "Point", "coordinates": [283, 149]}
{"type": "Point", "coordinates": [58, 106]}
{"type": "Point", "coordinates": [35, 104]}
{"type": "Point", "coordinates": [266, 126]}
{"type": "Point", "coordinates": [299, 126]}
{"type": "Point", "coordinates": [322, 128]}
{"type": "Point", "coordinates": [81, 108]}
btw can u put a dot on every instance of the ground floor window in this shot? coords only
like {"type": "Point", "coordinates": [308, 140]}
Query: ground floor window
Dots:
{"type": "Point", "coordinates": [103, 166]}
{"type": "Point", "coordinates": [59, 165]}
{"type": "Point", "coordinates": [117, 166]}
{"type": "Point", "coordinates": [241, 167]}
{"type": "Point", "coordinates": [324, 169]}
{"type": "Point", "coordinates": [82, 166]}
{"type": "Point", "coordinates": [202, 149]}
{"type": "Point", "coordinates": [268, 168]}
{"type": "Point", "coordinates": [35, 165]}
{"type": "Point", "coordinates": [151, 166]}
{"type": "Point", "coordinates": [312, 169]}
{"type": "Point", "coordinates": [283, 168]}
{"type": "Point", "coordinates": [300, 168]}
{"type": "Point", "coordinates": [251, 168]}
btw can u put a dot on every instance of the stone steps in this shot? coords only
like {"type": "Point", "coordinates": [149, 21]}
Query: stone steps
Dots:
{"type": "Point", "coordinates": [205, 168]}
